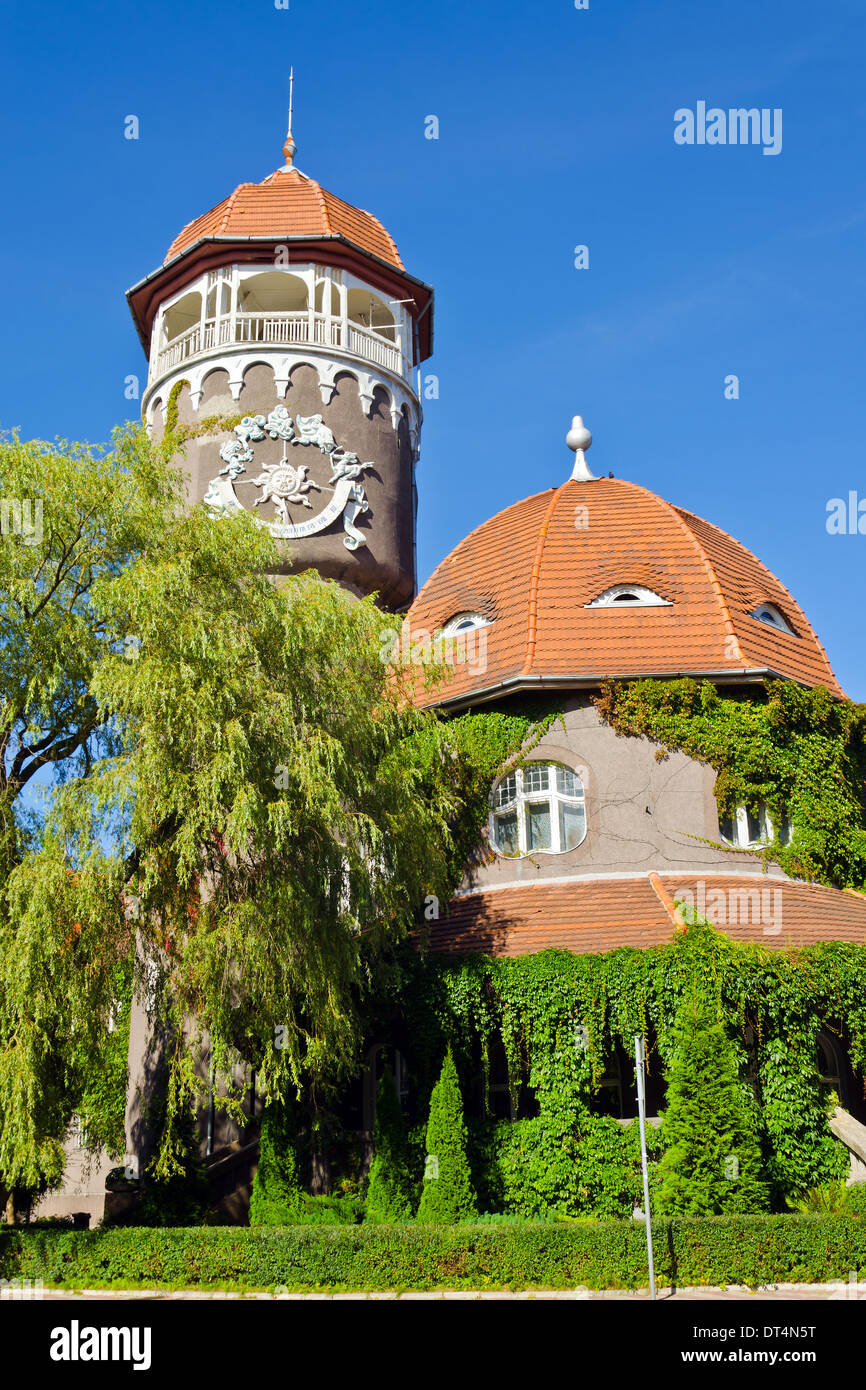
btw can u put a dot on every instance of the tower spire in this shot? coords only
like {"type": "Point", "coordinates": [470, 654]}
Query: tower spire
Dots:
{"type": "Point", "coordinates": [289, 147]}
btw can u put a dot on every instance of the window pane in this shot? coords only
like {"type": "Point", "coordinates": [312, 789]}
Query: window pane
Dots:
{"type": "Point", "coordinates": [506, 791]}
{"type": "Point", "coordinates": [506, 833]}
{"type": "Point", "coordinates": [756, 826]}
{"type": "Point", "coordinates": [535, 778]}
{"type": "Point", "coordinates": [572, 824]}
{"type": "Point", "coordinates": [568, 783]}
{"type": "Point", "coordinates": [726, 828]}
{"type": "Point", "coordinates": [538, 825]}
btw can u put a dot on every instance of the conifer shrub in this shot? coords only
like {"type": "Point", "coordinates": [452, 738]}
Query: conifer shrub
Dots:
{"type": "Point", "coordinates": [277, 1197]}
{"type": "Point", "coordinates": [390, 1185]}
{"type": "Point", "coordinates": [711, 1164]}
{"type": "Point", "coordinates": [447, 1194]}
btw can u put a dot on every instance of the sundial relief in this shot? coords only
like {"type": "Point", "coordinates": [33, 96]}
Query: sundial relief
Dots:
{"type": "Point", "coordinates": [284, 486]}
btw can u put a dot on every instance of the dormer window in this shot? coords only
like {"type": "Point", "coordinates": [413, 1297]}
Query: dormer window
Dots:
{"type": "Point", "coordinates": [771, 615]}
{"type": "Point", "coordinates": [465, 622]}
{"type": "Point", "coordinates": [750, 829]}
{"type": "Point", "coordinates": [629, 595]}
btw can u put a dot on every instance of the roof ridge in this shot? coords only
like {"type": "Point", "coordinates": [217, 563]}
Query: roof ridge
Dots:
{"type": "Point", "coordinates": [785, 590]}
{"type": "Point", "coordinates": [532, 614]}
{"type": "Point", "coordinates": [704, 558]}
{"type": "Point", "coordinates": [666, 901]}
{"type": "Point", "coordinates": [230, 202]}
{"type": "Point", "coordinates": [474, 532]}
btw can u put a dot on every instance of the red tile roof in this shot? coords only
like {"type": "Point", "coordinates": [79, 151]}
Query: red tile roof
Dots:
{"type": "Point", "coordinates": [538, 563]}
{"type": "Point", "coordinates": [602, 914]}
{"type": "Point", "coordinates": [288, 203]}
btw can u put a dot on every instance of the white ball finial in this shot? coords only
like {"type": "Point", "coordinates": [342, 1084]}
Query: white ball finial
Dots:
{"type": "Point", "coordinates": [579, 439]}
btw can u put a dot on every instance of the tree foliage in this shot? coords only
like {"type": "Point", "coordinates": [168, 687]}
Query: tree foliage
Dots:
{"type": "Point", "coordinates": [389, 1192]}
{"type": "Point", "coordinates": [711, 1164]}
{"type": "Point", "coordinates": [237, 780]}
{"type": "Point", "coordinates": [447, 1194]}
{"type": "Point", "coordinates": [277, 1197]}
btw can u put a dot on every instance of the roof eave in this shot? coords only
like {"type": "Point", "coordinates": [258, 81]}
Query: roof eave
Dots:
{"type": "Point", "coordinates": [188, 252]}
{"type": "Point", "coordinates": [513, 684]}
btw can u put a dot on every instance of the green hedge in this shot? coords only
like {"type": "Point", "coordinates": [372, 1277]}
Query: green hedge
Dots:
{"type": "Point", "coordinates": [596, 1254]}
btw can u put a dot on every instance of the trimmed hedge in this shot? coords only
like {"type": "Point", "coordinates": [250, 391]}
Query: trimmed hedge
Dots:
{"type": "Point", "coordinates": [596, 1254]}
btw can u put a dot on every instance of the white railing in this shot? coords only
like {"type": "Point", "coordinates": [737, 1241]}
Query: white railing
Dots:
{"type": "Point", "coordinates": [280, 330]}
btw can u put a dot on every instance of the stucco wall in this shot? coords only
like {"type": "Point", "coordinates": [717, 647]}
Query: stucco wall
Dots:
{"type": "Point", "coordinates": [642, 814]}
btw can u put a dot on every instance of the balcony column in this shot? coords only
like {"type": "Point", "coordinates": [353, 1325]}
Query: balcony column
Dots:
{"type": "Point", "coordinates": [344, 315]}
{"type": "Point", "coordinates": [310, 277]}
{"type": "Point", "coordinates": [327, 308]}
{"type": "Point", "coordinates": [233, 304]}
{"type": "Point", "coordinates": [199, 346]}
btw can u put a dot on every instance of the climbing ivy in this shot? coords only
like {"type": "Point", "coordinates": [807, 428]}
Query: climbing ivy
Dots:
{"type": "Point", "coordinates": [469, 752]}
{"type": "Point", "coordinates": [175, 434]}
{"type": "Point", "coordinates": [801, 752]}
{"type": "Point", "coordinates": [560, 1017]}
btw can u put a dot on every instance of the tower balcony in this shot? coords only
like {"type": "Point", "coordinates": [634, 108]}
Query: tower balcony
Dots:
{"type": "Point", "coordinates": [238, 308]}
{"type": "Point", "coordinates": [279, 330]}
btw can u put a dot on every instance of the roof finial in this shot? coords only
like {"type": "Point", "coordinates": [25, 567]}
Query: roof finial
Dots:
{"type": "Point", "coordinates": [289, 147]}
{"type": "Point", "coordinates": [579, 439]}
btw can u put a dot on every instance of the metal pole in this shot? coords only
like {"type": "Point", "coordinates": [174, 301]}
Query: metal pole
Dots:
{"type": "Point", "coordinates": [641, 1110]}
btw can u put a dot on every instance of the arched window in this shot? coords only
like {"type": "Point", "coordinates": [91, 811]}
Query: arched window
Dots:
{"type": "Point", "coordinates": [464, 622]}
{"type": "Point", "coordinates": [374, 1065]}
{"type": "Point", "coordinates": [538, 809]}
{"type": "Point", "coordinates": [622, 595]}
{"type": "Point", "coordinates": [774, 617]}
{"type": "Point", "coordinates": [829, 1065]}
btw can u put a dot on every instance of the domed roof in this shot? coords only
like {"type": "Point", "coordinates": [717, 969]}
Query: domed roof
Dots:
{"type": "Point", "coordinates": [288, 203]}
{"type": "Point", "coordinates": [536, 571]}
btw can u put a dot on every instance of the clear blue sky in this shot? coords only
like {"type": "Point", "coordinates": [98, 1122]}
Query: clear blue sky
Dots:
{"type": "Point", "coordinates": [556, 129]}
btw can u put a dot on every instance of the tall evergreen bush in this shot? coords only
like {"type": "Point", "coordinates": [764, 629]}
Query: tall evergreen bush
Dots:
{"type": "Point", "coordinates": [447, 1194]}
{"type": "Point", "coordinates": [277, 1196]}
{"type": "Point", "coordinates": [711, 1164]}
{"type": "Point", "coordinates": [390, 1185]}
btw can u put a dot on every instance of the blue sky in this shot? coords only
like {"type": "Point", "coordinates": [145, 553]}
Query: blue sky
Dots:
{"type": "Point", "coordinates": [556, 130]}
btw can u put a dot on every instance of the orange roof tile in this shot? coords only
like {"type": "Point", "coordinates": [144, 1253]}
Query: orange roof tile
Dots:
{"type": "Point", "coordinates": [535, 566]}
{"type": "Point", "coordinates": [288, 203]}
{"type": "Point", "coordinates": [589, 916]}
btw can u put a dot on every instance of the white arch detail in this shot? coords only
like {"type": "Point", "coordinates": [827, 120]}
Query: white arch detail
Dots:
{"type": "Point", "coordinates": [236, 365]}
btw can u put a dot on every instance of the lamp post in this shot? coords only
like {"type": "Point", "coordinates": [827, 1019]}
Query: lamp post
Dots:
{"type": "Point", "coordinates": [639, 1064]}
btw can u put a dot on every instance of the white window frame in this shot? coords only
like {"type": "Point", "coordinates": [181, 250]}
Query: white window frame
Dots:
{"type": "Point", "coordinates": [775, 620]}
{"type": "Point", "coordinates": [523, 797]}
{"type": "Point", "coordinates": [464, 622]}
{"type": "Point", "coordinates": [646, 598]}
{"type": "Point", "coordinates": [741, 838]}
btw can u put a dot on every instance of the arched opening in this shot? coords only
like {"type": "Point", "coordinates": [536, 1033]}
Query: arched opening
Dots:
{"type": "Point", "coordinates": [374, 1065]}
{"type": "Point", "coordinates": [272, 292]}
{"type": "Point", "coordinates": [371, 312]}
{"type": "Point", "coordinates": [830, 1066]}
{"type": "Point", "coordinates": [180, 317]}
{"type": "Point", "coordinates": [272, 308]}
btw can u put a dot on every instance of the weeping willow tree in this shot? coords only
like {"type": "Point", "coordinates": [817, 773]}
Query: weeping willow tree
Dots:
{"type": "Point", "coordinates": [237, 781]}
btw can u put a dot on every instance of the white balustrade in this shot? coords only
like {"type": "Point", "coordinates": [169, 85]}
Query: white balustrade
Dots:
{"type": "Point", "coordinates": [278, 330]}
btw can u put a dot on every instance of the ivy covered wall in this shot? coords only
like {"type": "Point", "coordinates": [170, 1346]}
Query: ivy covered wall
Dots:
{"type": "Point", "coordinates": [560, 1016]}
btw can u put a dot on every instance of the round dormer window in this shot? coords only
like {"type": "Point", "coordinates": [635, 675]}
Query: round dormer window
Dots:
{"type": "Point", "coordinates": [625, 595]}
{"type": "Point", "coordinates": [465, 622]}
{"type": "Point", "coordinates": [771, 615]}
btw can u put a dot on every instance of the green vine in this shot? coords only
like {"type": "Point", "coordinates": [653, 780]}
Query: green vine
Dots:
{"type": "Point", "coordinates": [176, 434]}
{"type": "Point", "coordinates": [800, 752]}
{"type": "Point", "coordinates": [560, 1016]}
